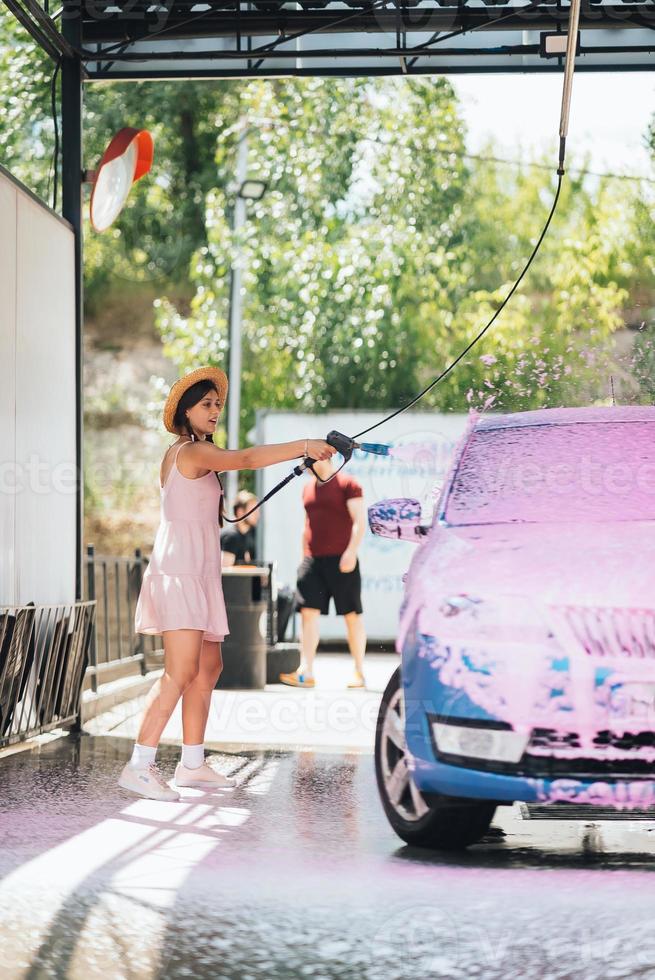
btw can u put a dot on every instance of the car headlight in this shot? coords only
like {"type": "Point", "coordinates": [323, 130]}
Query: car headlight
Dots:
{"type": "Point", "coordinates": [475, 742]}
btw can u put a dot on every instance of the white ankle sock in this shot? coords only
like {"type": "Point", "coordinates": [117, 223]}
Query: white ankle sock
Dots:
{"type": "Point", "coordinates": [193, 756]}
{"type": "Point", "coordinates": [142, 756]}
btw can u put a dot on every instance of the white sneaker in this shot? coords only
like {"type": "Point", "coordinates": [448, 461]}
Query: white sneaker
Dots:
{"type": "Point", "coordinates": [147, 782]}
{"type": "Point", "coordinates": [204, 777]}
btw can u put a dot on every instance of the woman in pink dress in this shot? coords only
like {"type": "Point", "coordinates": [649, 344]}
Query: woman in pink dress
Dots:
{"type": "Point", "coordinates": [181, 596]}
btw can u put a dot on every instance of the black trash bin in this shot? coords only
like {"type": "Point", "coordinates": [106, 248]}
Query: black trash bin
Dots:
{"type": "Point", "coordinates": [244, 648]}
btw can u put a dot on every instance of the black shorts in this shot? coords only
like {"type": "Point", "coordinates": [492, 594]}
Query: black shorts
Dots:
{"type": "Point", "coordinates": [320, 580]}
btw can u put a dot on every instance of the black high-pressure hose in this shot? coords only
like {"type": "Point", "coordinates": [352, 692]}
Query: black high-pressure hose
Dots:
{"type": "Point", "coordinates": [481, 334]}
{"type": "Point", "coordinates": [347, 444]}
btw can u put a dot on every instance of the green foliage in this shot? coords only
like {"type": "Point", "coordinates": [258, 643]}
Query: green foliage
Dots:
{"type": "Point", "coordinates": [358, 294]}
{"type": "Point", "coordinates": [638, 271]}
{"type": "Point", "coordinates": [337, 252]}
{"type": "Point", "coordinates": [26, 127]}
{"type": "Point", "coordinates": [643, 361]}
{"type": "Point", "coordinates": [377, 253]}
{"type": "Point", "coordinates": [553, 344]}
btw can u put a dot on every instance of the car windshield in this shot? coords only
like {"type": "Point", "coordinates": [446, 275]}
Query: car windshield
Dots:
{"type": "Point", "coordinates": [582, 471]}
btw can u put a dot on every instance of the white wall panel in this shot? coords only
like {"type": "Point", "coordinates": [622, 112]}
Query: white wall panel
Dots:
{"type": "Point", "coordinates": [8, 197]}
{"type": "Point", "coordinates": [37, 378]}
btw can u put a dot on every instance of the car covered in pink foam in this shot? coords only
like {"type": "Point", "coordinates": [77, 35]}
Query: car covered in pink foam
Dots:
{"type": "Point", "coordinates": [527, 629]}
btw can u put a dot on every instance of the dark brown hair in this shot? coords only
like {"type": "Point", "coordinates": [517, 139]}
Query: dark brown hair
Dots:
{"type": "Point", "coordinates": [191, 397]}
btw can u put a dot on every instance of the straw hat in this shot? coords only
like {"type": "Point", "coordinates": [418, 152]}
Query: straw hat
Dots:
{"type": "Point", "coordinates": [213, 374]}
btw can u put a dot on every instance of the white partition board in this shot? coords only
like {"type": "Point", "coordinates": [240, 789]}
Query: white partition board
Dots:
{"type": "Point", "coordinates": [8, 205]}
{"type": "Point", "coordinates": [37, 368]}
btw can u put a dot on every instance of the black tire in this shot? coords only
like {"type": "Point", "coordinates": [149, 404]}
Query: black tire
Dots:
{"type": "Point", "coordinates": [444, 823]}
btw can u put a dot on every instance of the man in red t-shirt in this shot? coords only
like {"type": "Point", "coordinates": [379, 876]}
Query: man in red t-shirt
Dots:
{"type": "Point", "coordinates": [335, 522]}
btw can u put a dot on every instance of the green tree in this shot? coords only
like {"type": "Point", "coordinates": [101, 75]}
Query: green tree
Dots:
{"type": "Point", "coordinates": [554, 342]}
{"type": "Point", "coordinates": [640, 267]}
{"type": "Point", "coordinates": [343, 250]}
{"type": "Point", "coordinates": [26, 126]}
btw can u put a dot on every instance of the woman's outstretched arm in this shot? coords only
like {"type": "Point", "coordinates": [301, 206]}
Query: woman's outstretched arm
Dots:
{"type": "Point", "coordinates": [207, 456]}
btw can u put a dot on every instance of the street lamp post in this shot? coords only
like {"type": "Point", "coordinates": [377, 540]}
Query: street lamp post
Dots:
{"type": "Point", "coordinates": [247, 190]}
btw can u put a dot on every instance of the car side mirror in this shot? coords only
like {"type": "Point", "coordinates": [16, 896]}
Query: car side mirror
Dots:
{"type": "Point", "coordinates": [398, 518]}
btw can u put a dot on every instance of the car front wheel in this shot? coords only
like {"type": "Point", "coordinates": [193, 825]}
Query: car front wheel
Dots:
{"type": "Point", "coordinates": [426, 820]}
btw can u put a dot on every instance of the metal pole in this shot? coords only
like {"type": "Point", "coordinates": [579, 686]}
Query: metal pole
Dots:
{"type": "Point", "coordinates": [140, 644]}
{"type": "Point", "coordinates": [91, 594]}
{"type": "Point", "coordinates": [571, 45]}
{"type": "Point", "coordinates": [260, 485]}
{"type": "Point", "coordinates": [71, 179]}
{"type": "Point", "coordinates": [234, 369]}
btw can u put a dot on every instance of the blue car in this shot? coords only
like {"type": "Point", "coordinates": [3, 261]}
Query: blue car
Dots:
{"type": "Point", "coordinates": [527, 628]}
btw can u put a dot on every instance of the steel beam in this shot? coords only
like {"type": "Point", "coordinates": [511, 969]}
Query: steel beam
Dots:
{"type": "Point", "coordinates": [249, 23]}
{"type": "Point", "coordinates": [362, 53]}
{"type": "Point", "coordinates": [370, 70]}
{"type": "Point", "coordinates": [72, 166]}
{"type": "Point", "coordinates": [48, 27]}
{"type": "Point", "coordinates": [32, 28]}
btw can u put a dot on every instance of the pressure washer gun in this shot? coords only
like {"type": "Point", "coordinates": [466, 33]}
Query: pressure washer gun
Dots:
{"type": "Point", "coordinates": [346, 447]}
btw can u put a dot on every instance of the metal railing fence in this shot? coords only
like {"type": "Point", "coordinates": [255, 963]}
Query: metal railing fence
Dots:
{"type": "Point", "coordinates": [44, 652]}
{"type": "Point", "coordinates": [114, 582]}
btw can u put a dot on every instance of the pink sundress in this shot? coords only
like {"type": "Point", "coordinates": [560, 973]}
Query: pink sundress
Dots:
{"type": "Point", "coordinates": [182, 587]}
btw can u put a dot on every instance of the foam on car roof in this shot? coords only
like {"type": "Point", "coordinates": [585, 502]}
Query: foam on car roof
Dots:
{"type": "Point", "coordinates": [567, 416]}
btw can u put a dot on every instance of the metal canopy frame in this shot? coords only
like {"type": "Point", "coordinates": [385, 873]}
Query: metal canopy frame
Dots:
{"type": "Point", "coordinates": [141, 39]}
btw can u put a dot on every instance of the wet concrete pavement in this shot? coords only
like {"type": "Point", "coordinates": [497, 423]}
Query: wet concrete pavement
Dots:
{"type": "Point", "coordinates": [295, 873]}
{"type": "Point", "coordinates": [328, 716]}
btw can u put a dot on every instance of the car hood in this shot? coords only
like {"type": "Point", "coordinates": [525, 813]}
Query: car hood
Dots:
{"type": "Point", "coordinates": [548, 564]}
{"type": "Point", "coordinates": [511, 648]}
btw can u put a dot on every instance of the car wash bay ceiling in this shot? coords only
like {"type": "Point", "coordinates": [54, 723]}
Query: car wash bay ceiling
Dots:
{"type": "Point", "coordinates": [138, 39]}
